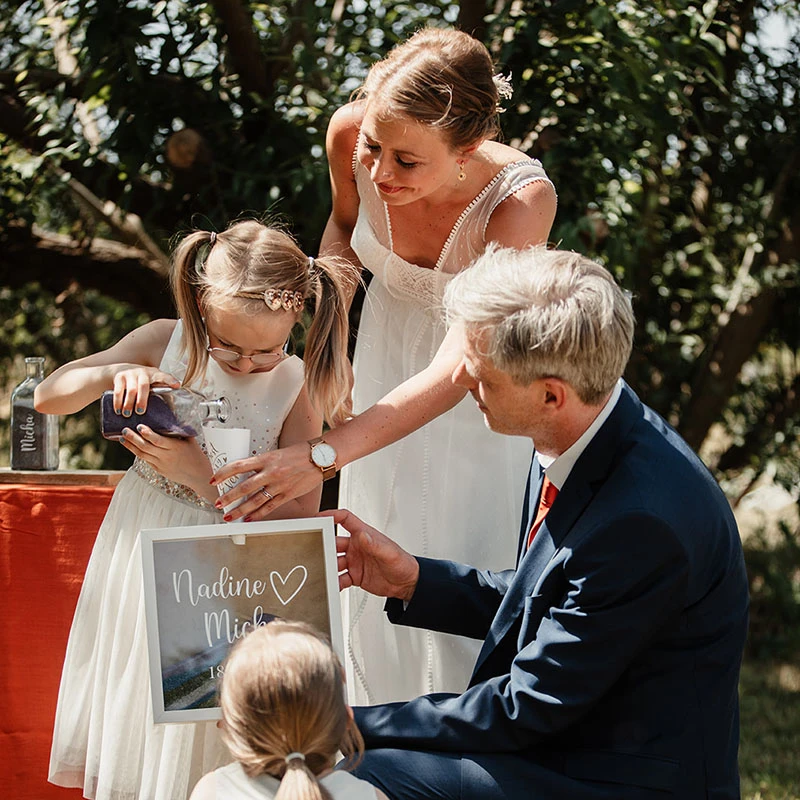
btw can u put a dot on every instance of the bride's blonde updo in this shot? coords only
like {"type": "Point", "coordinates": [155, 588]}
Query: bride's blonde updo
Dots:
{"type": "Point", "coordinates": [442, 78]}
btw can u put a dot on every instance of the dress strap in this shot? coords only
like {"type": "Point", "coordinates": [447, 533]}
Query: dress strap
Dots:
{"type": "Point", "coordinates": [535, 172]}
{"type": "Point", "coordinates": [354, 160]}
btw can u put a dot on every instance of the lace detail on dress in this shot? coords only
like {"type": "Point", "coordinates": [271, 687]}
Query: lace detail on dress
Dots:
{"type": "Point", "coordinates": [176, 491]}
{"type": "Point", "coordinates": [423, 287]}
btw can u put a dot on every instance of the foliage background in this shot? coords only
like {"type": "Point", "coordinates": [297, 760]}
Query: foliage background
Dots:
{"type": "Point", "coordinates": [670, 130]}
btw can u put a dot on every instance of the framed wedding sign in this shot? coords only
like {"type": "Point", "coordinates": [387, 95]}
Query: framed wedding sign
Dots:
{"type": "Point", "coordinates": [206, 586]}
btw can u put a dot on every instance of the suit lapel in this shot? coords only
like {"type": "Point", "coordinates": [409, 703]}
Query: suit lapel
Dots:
{"type": "Point", "coordinates": [530, 504]}
{"type": "Point", "coordinates": [591, 469]}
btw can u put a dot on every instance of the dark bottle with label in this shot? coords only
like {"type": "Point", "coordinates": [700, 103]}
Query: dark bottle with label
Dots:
{"type": "Point", "coordinates": [34, 436]}
{"type": "Point", "coordinates": [170, 412]}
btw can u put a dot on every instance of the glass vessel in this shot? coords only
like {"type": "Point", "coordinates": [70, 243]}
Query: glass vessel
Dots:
{"type": "Point", "coordinates": [34, 436]}
{"type": "Point", "coordinates": [179, 413]}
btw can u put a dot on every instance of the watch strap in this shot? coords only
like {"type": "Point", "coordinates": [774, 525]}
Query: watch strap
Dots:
{"type": "Point", "coordinates": [328, 472]}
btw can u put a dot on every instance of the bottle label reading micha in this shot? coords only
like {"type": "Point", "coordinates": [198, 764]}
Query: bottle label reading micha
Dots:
{"type": "Point", "coordinates": [34, 436]}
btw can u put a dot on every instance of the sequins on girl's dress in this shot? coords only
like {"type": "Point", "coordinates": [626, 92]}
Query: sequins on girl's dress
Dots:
{"type": "Point", "coordinates": [177, 491]}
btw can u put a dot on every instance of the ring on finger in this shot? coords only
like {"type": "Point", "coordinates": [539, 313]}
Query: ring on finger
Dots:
{"type": "Point", "coordinates": [266, 493]}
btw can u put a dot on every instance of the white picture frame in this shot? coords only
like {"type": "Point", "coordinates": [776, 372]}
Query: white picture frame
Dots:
{"type": "Point", "coordinates": [205, 586]}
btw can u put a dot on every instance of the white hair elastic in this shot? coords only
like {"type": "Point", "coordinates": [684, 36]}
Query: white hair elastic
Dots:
{"type": "Point", "coordinates": [292, 756]}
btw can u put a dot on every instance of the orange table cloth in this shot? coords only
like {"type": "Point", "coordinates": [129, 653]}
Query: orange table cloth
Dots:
{"type": "Point", "coordinates": [46, 536]}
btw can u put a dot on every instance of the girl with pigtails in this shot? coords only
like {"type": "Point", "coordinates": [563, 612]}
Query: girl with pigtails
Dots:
{"type": "Point", "coordinates": [284, 718]}
{"type": "Point", "coordinates": [238, 293]}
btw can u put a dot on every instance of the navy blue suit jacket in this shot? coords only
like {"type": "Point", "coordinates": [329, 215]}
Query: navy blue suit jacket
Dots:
{"type": "Point", "coordinates": [611, 654]}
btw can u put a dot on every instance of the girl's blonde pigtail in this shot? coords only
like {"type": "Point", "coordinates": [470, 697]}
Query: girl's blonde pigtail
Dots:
{"type": "Point", "coordinates": [325, 357]}
{"type": "Point", "coordinates": [187, 266]}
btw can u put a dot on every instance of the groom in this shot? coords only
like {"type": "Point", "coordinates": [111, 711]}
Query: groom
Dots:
{"type": "Point", "coordinates": [611, 655]}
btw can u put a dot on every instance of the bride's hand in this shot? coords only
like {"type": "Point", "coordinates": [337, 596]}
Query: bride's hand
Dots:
{"type": "Point", "coordinates": [284, 474]}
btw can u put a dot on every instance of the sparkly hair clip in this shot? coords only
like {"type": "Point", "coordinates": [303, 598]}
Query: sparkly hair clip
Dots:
{"type": "Point", "coordinates": [285, 299]}
{"type": "Point", "coordinates": [503, 85]}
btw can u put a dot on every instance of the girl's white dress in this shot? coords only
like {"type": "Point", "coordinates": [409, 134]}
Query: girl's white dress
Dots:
{"type": "Point", "coordinates": [453, 489]}
{"type": "Point", "coordinates": [104, 738]}
{"type": "Point", "coordinates": [233, 784]}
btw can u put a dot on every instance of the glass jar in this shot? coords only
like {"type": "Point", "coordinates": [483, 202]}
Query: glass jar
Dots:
{"type": "Point", "coordinates": [34, 436]}
{"type": "Point", "coordinates": [179, 413]}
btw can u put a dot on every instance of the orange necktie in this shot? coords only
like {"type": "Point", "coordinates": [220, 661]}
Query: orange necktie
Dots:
{"type": "Point", "coordinates": [549, 493]}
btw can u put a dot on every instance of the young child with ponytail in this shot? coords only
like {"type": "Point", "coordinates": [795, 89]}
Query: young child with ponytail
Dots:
{"type": "Point", "coordinates": [284, 718]}
{"type": "Point", "coordinates": [238, 293]}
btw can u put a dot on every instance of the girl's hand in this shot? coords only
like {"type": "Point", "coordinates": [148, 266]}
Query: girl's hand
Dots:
{"type": "Point", "coordinates": [285, 473]}
{"type": "Point", "coordinates": [132, 387]}
{"type": "Point", "coordinates": [181, 460]}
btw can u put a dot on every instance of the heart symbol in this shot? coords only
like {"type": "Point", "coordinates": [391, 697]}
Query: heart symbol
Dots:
{"type": "Point", "coordinates": [285, 580]}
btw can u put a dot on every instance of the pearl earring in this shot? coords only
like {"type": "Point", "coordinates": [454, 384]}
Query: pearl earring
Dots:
{"type": "Point", "coordinates": [462, 176]}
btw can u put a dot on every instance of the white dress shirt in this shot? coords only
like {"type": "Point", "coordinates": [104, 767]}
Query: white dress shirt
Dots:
{"type": "Point", "coordinates": [558, 468]}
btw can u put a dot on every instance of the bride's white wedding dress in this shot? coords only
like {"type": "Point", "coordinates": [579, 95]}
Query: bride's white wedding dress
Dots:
{"type": "Point", "coordinates": [453, 489]}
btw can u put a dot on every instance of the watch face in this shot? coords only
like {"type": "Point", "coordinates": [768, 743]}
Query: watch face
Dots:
{"type": "Point", "coordinates": [323, 455]}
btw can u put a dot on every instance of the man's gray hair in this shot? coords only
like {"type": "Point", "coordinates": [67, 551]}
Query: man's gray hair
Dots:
{"type": "Point", "coordinates": [546, 313]}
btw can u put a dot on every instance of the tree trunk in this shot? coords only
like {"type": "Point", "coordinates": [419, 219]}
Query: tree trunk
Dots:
{"type": "Point", "coordinates": [717, 378]}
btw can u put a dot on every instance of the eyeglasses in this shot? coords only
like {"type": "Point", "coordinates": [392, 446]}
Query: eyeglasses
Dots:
{"type": "Point", "coordinates": [231, 356]}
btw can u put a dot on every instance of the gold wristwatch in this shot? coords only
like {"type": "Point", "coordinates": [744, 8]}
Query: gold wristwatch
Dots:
{"type": "Point", "coordinates": [324, 456]}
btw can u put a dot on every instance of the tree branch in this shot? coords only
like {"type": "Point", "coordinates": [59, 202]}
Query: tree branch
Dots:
{"type": "Point", "coordinates": [127, 226]}
{"type": "Point", "coordinates": [244, 47]}
{"type": "Point", "coordinates": [55, 262]}
{"type": "Point", "coordinates": [68, 65]}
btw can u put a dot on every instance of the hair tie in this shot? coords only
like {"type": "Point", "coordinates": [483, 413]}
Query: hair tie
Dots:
{"type": "Point", "coordinates": [292, 756]}
{"type": "Point", "coordinates": [202, 254]}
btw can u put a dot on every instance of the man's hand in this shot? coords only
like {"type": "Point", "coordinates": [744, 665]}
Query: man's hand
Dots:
{"type": "Point", "coordinates": [373, 561]}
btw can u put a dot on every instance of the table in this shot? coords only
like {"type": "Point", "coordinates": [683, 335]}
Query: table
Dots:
{"type": "Point", "coordinates": [48, 523]}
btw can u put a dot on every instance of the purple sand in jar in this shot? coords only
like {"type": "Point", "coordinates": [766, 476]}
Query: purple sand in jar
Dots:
{"type": "Point", "coordinates": [158, 416]}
